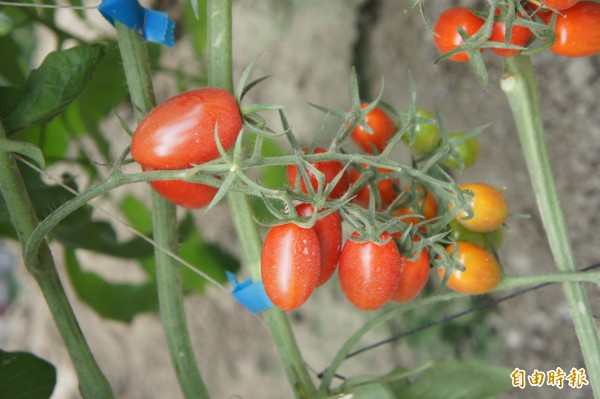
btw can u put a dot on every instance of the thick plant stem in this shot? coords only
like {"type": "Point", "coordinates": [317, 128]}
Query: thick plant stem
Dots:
{"type": "Point", "coordinates": [92, 383]}
{"type": "Point", "coordinates": [168, 272]}
{"type": "Point", "coordinates": [519, 84]}
{"type": "Point", "coordinates": [220, 75]}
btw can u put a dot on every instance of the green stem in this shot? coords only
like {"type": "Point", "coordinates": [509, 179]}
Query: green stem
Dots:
{"type": "Point", "coordinates": [92, 383]}
{"type": "Point", "coordinates": [519, 84]}
{"type": "Point", "coordinates": [507, 284]}
{"type": "Point", "coordinates": [168, 272]}
{"type": "Point", "coordinates": [220, 75]}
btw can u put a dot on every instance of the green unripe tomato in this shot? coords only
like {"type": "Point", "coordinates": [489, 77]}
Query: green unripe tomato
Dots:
{"type": "Point", "coordinates": [487, 241]}
{"type": "Point", "coordinates": [468, 151]}
{"type": "Point", "coordinates": [427, 135]}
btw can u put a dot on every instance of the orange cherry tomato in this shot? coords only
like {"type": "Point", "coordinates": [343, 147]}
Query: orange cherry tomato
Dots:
{"type": "Point", "coordinates": [388, 188]}
{"type": "Point", "coordinates": [383, 128]}
{"type": "Point", "coordinates": [482, 271]}
{"type": "Point", "coordinates": [490, 209]}
{"type": "Point", "coordinates": [427, 207]}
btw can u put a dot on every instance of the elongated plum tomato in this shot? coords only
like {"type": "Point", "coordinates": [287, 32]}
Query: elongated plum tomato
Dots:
{"type": "Point", "coordinates": [387, 188]}
{"type": "Point", "coordinates": [578, 30]}
{"type": "Point", "coordinates": [369, 272]}
{"type": "Point", "coordinates": [413, 276]}
{"type": "Point", "coordinates": [482, 271]}
{"type": "Point", "coordinates": [181, 131]}
{"type": "Point", "coordinates": [184, 193]}
{"type": "Point", "coordinates": [290, 265]}
{"type": "Point", "coordinates": [329, 233]}
{"type": "Point", "coordinates": [446, 36]}
{"type": "Point", "coordinates": [520, 35]}
{"type": "Point", "coordinates": [329, 168]}
{"type": "Point", "coordinates": [383, 128]}
{"type": "Point", "coordinates": [490, 209]}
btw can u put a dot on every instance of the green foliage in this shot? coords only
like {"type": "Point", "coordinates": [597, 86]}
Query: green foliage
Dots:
{"type": "Point", "coordinates": [25, 376]}
{"type": "Point", "coordinates": [49, 89]}
{"type": "Point", "coordinates": [117, 301]}
{"type": "Point", "coordinates": [456, 380]}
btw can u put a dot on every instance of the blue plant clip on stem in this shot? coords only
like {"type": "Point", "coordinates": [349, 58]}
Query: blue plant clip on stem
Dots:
{"type": "Point", "coordinates": [155, 26]}
{"type": "Point", "coordinates": [250, 294]}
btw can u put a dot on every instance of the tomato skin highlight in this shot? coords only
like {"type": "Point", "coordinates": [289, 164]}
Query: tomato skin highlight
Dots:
{"type": "Point", "coordinates": [383, 129]}
{"type": "Point", "coordinates": [520, 35]}
{"type": "Point", "coordinates": [388, 188]}
{"type": "Point", "coordinates": [369, 273]}
{"type": "Point", "coordinates": [482, 271]}
{"type": "Point", "coordinates": [180, 131]}
{"type": "Point", "coordinates": [446, 36]}
{"type": "Point", "coordinates": [413, 277]}
{"type": "Point", "coordinates": [329, 234]}
{"type": "Point", "coordinates": [183, 193]}
{"type": "Point", "coordinates": [559, 4]}
{"type": "Point", "coordinates": [578, 30]}
{"type": "Point", "coordinates": [329, 168]}
{"type": "Point", "coordinates": [490, 209]}
{"type": "Point", "coordinates": [290, 265]}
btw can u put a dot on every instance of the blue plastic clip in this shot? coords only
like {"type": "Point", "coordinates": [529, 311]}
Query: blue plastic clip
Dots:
{"type": "Point", "coordinates": [155, 26]}
{"type": "Point", "coordinates": [250, 294]}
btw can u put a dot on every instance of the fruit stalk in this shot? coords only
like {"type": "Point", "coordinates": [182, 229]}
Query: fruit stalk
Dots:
{"type": "Point", "coordinates": [519, 85]}
{"type": "Point", "coordinates": [168, 274]}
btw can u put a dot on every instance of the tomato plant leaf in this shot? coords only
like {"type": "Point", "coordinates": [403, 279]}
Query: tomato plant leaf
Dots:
{"type": "Point", "coordinates": [49, 89]}
{"type": "Point", "coordinates": [208, 258]}
{"type": "Point", "coordinates": [457, 380]}
{"type": "Point", "coordinates": [79, 230]}
{"type": "Point", "coordinates": [25, 376]}
{"type": "Point", "coordinates": [117, 301]}
{"type": "Point", "coordinates": [26, 149]}
{"type": "Point", "coordinates": [10, 68]}
{"type": "Point", "coordinates": [369, 391]}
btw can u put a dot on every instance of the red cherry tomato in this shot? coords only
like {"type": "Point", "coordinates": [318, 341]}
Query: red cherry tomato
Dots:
{"type": "Point", "coordinates": [184, 193]}
{"type": "Point", "coordinates": [329, 233]}
{"type": "Point", "coordinates": [446, 36]}
{"type": "Point", "coordinates": [329, 168]}
{"type": "Point", "coordinates": [578, 30]}
{"type": "Point", "coordinates": [383, 128]}
{"type": "Point", "coordinates": [413, 276]}
{"type": "Point", "coordinates": [520, 35]}
{"type": "Point", "coordinates": [290, 265]}
{"type": "Point", "coordinates": [482, 271]}
{"type": "Point", "coordinates": [181, 131]}
{"type": "Point", "coordinates": [388, 188]}
{"type": "Point", "coordinates": [369, 272]}
{"type": "Point", "coordinates": [427, 207]}
{"type": "Point", "coordinates": [559, 4]}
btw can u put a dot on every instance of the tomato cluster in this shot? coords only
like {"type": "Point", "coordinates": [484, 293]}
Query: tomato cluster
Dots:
{"type": "Point", "coordinates": [576, 27]}
{"type": "Point", "coordinates": [377, 269]}
{"type": "Point", "coordinates": [180, 133]}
